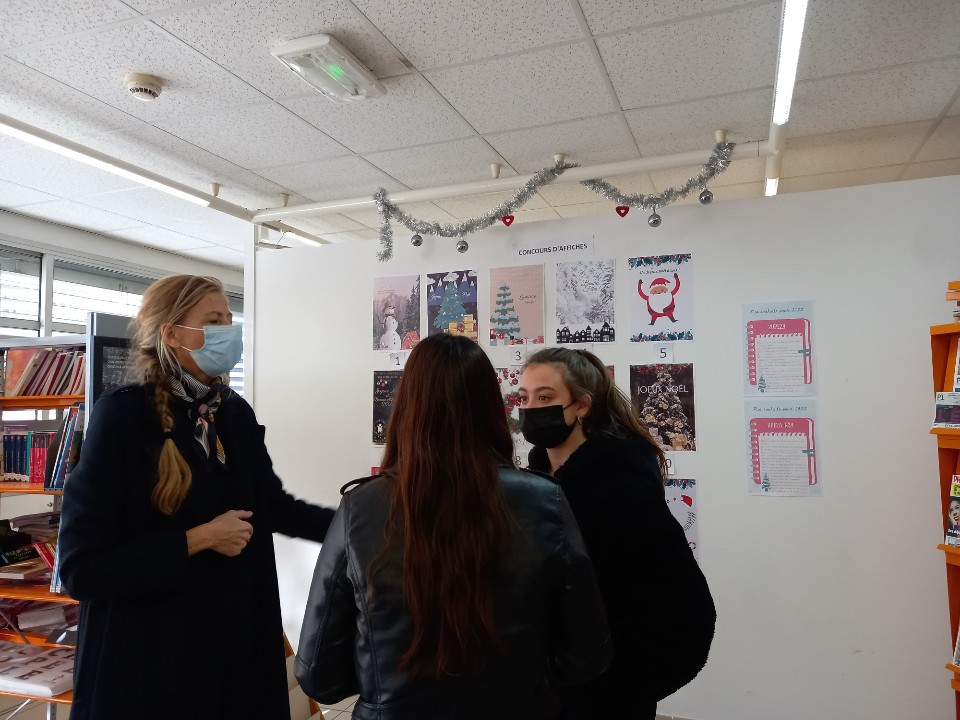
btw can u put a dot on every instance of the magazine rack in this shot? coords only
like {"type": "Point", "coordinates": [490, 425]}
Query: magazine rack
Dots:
{"type": "Point", "coordinates": [943, 347]}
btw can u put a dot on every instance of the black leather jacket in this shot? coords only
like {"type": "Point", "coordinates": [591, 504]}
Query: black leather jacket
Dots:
{"type": "Point", "coordinates": [549, 613]}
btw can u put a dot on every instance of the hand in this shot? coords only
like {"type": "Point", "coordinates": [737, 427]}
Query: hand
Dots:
{"type": "Point", "coordinates": [227, 534]}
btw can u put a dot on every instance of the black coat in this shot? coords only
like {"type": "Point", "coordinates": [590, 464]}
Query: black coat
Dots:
{"type": "Point", "coordinates": [161, 634]}
{"type": "Point", "coordinates": [548, 612]}
{"type": "Point", "coordinates": [658, 604]}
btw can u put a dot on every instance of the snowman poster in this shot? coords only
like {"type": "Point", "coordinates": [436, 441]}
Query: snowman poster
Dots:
{"type": "Point", "coordinates": [681, 497]}
{"type": "Point", "coordinates": [661, 298]}
{"type": "Point", "coordinates": [452, 303]}
{"type": "Point", "coordinates": [396, 313]}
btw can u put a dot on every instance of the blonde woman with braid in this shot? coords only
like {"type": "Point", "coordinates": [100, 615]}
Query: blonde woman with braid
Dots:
{"type": "Point", "coordinates": [167, 529]}
{"type": "Point", "coordinates": [658, 604]}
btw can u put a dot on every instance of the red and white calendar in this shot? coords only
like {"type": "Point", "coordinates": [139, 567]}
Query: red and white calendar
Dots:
{"type": "Point", "coordinates": [783, 455]}
{"type": "Point", "coordinates": [779, 360]}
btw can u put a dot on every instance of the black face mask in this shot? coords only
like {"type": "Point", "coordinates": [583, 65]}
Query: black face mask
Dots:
{"type": "Point", "coordinates": [545, 426]}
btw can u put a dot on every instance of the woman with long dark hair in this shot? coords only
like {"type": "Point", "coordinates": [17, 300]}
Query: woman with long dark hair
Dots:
{"type": "Point", "coordinates": [660, 609]}
{"type": "Point", "coordinates": [452, 584]}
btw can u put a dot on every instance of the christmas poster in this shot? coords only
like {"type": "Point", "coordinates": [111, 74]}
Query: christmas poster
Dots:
{"type": "Point", "coordinates": [452, 303]}
{"type": "Point", "coordinates": [585, 294]}
{"type": "Point", "coordinates": [662, 397]}
{"type": "Point", "coordinates": [661, 298]}
{"type": "Point", "coordinates": [516, 305]}
{"type": "Point", "coordinates": [782, 447]}
{"type": "Point", "coordinates": [384, 386]}
{"type": "Point", "coordinates": [778, 342]}
{"type": "Point", "coordinates": [396, 313]}
{"type": "Point", "coordinates": [681, 494]}
{"type": "Point", "coordinates": [509, 379]}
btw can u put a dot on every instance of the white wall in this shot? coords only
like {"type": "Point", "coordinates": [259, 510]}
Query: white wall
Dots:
{"type": "Point", "coordinates": [831, 607]}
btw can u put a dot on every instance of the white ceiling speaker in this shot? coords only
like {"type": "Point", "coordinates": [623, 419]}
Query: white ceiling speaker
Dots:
{"type": "Point", "coordinates": [144, 87]}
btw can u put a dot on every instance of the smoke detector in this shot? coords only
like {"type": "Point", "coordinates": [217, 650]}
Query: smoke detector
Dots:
{"type": "Point", "coordinates": [144, 87]}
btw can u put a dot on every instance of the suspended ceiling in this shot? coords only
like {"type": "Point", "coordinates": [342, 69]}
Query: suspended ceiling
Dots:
{"type": "Point", "coordinates": [469, 83]}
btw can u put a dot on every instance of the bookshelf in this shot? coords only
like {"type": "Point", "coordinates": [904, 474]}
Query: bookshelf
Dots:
{"type": "Point", "coordinates": [943, 351]}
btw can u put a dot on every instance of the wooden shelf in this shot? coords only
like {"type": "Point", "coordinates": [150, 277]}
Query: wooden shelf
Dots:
{"type": "Point", "coordinates": [34, 638]}
{"type": "Point", "coordinates": [945, 329]}
{"type": "Point", "coordinates": [952, 555]}
{"type": "Point", "coordinates": [27, 488]}
{"type": "Point", "coordinates": [62, 699]}
{"type": "Point", "coordinates": [33, 592]}
{"type": "Point", "coordinates": [38, 402]}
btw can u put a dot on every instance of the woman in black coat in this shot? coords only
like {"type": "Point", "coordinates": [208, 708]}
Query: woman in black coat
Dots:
{"type": "Point", "coordinates": [658, 604]}
{"type": "Point", "coordinates": [166, 534]}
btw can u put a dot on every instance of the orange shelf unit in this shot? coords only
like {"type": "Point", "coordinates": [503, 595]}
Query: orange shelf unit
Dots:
{"type": "Point", "coordinates": [61, 699]}
{"type": "Point", "coordinates": [27, 488]}
{"type": "Point", "coordinates": [34, 592]}
{"type": "Point", "coordinates": [943, 351]}
{"type": "Point", "coordinates": [38, 402]}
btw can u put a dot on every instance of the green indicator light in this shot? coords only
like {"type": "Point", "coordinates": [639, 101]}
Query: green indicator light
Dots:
{"type": "Point", "coordinates": [337, 72]}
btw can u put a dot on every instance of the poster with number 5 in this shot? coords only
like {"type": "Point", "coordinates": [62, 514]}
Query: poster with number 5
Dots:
{"type": "Point", "coordinates": [661, 298]}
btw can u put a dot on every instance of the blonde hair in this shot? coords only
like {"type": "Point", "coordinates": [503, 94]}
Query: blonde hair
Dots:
{"type": "Point", "coordinates": [166, 302]}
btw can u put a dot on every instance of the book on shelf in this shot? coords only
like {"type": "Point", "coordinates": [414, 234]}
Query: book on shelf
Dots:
{"type": "Point", "coordinates": [47, 549]}
{"type": "Point", "coordinates": [953, 514]}
{"type": "Point", "coordinates": [65, 447]}
{"type": "Point", "coordinates": [35, 669]}
{"type": "Point", "coordinates": [43, 371]}
{"type": "Point", "coordinates": [15, 363]}
{"type": "Point", "coordinates": [947, 412]}
{"type": "Point", "coordinates": [33, 569]}
{"type": "Point", "coordinates": [17, 555]}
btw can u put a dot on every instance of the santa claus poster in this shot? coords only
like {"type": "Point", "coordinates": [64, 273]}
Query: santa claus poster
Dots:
{"type": "Point", "coordinates": [663, 400]}
{"type": "Point", "coordinates": [396, 313]}
{"type": "Point", "coordinates": [452, 303]}
{"type": "Point", "coordinates": [661, 298]}
{"type": "Point", "coordinates": [585, 295]}
{"type": "Point", "coordinates": [681, 495]}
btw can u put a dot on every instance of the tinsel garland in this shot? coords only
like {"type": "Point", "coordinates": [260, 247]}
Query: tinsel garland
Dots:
{"type": "Point", "coordinates": [389, 211]}
{"type": "Point", "coordinates": [715, 165]}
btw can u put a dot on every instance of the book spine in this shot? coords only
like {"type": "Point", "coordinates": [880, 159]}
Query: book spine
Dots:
{"type": "Point", "coordinates": [27, 552]}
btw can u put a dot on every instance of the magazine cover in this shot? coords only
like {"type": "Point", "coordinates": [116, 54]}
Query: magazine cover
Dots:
{"type": "Point", "coordinates": [662, 398]}
{"type": "Point", "coordinates": [396, 313]}
{"type": "Point", "coordinates": [384, 387]}
{"type": "Point", "coordinates": [452, 303]}
{"type": "Point", "coordinates": [585, 295]}
{"type": "Point", "coordinates": [953, 514]}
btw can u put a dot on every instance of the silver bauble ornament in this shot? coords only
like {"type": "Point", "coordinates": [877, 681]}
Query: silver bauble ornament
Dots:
{"type": "Point", "coordinates": [416, 240]}
{"type": "Point", "coordinates": [654, 220]}
{"type": "Point", "coordinates": [462, 246]}
{"type": "Point", "coordinates": [706, 197]}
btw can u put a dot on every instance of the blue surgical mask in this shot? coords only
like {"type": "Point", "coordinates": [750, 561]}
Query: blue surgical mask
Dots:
{"type": "Point", "coordinates": [221, 349]}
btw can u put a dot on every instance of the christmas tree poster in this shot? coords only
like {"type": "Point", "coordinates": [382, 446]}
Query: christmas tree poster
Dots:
{"type": "Point", "coordinates": [509, 379]}
{"type": "Point", "coordinates": [661, 300]}
{"type": "Point", "coordinates": [396, 313]}
{"type": "Point", "coordinates": [452, 303]}
{"type": "Point", "coordinates": [681, 494]}
{"type": "Point", "coordinates": [663, 400]}
{"type": "Point", "coordinates": [384, 387]}
{"type": "Point", "coordinates": [585, 294]}
{"type": "Point", "coordinates": [516, 305]}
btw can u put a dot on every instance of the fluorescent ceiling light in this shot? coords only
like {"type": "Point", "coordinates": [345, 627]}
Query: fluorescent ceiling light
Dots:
{"type": "Point", "coordinates": [770, 188]}
{"type": "Point", "coordinates": [328, 66]}
{"type": "Point", "coordinates": [791, 32]}
{"type": "Point", "coordinates": [42, 139]}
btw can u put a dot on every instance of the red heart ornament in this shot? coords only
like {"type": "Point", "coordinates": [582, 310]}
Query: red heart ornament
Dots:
{"type": "Point", "coordinates": [507, 220]}
{"type": "Point", "coordinates": [622, 210]}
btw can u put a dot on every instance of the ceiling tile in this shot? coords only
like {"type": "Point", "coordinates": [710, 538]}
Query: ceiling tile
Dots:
{"type": "Point", "coordinates": [536, 215]}
{"type": "Point", "coordinates": [585, 209]}
{"type": "Point", "coordinates": [161, 239]}
{"type": "Point", "coordinates": [459, 161]}
{"type": "Point", "coordinates": [331, 223]}
{"type": "Point", "coordinates": [249, 190]}
{"type": "Point", "coordinates": [936, 168]}
{"type": "Point", "coordinates": [97, 64]}
{"type": "Point", "coordinates": [852, 150]}
{"type": "Point", "coordinates": [828, 181]}
{"type": "Point", "coordinates": [28, 21]}
{"type": "Point", "coordinates": [333, 179]}
{"type": "Point", "coordinates": [944, 143]}
{"type": "Point", "coordinates": [426, 211]}
{"type": "Point", "coordinates": [955, 109]}
{"type": "Point", "coordinates": [843, 36]}
{"type": "Point", "coordinates": [34, 98]}
{"type": "Point", "coordinates": [683, 127]}
{"type": "Point", "coordinates": [74, 214]}
{"type": "Point", "coordinates": [255, 136]}
{"type": "Point", "coordinates": [740, 171]}
{"type": "Point", "coordinates": [576, 194]}
{"type": "Point", "coordinates": [13, 195]}
{"type": "Point", "coordinates": [457, 31]}
{"type": "Point", "coordinates": [219, 255]}
{"type": "Point", "coordinates": [740, 191]}
{"type": "Point", "coordinates": [537, 88]}
{"type": "Point", "coordinates": [608, 16]}
{"type": "Point", "coordinates": [473, 206]}
{"type": "Point", "coordinates": [588, 142]}
{"type": "Point", "coordinates": [410, 113]}
{"type": "Point", "coordinates": [238, 35]}
{"type": "Point", "coordinates": [47, 171]}
{"type": "Point", "coordinates": [353, 236]}
{"type": "Point", "coordinates": [885, 97]}
{"type": "Point", "coordinates": [692, 59]}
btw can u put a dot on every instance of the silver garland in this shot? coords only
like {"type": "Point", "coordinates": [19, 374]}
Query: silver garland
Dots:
{"type": "Point", "coordinates": [389, 211]}
{"type": "Point", "coordinates": [715, 165]}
